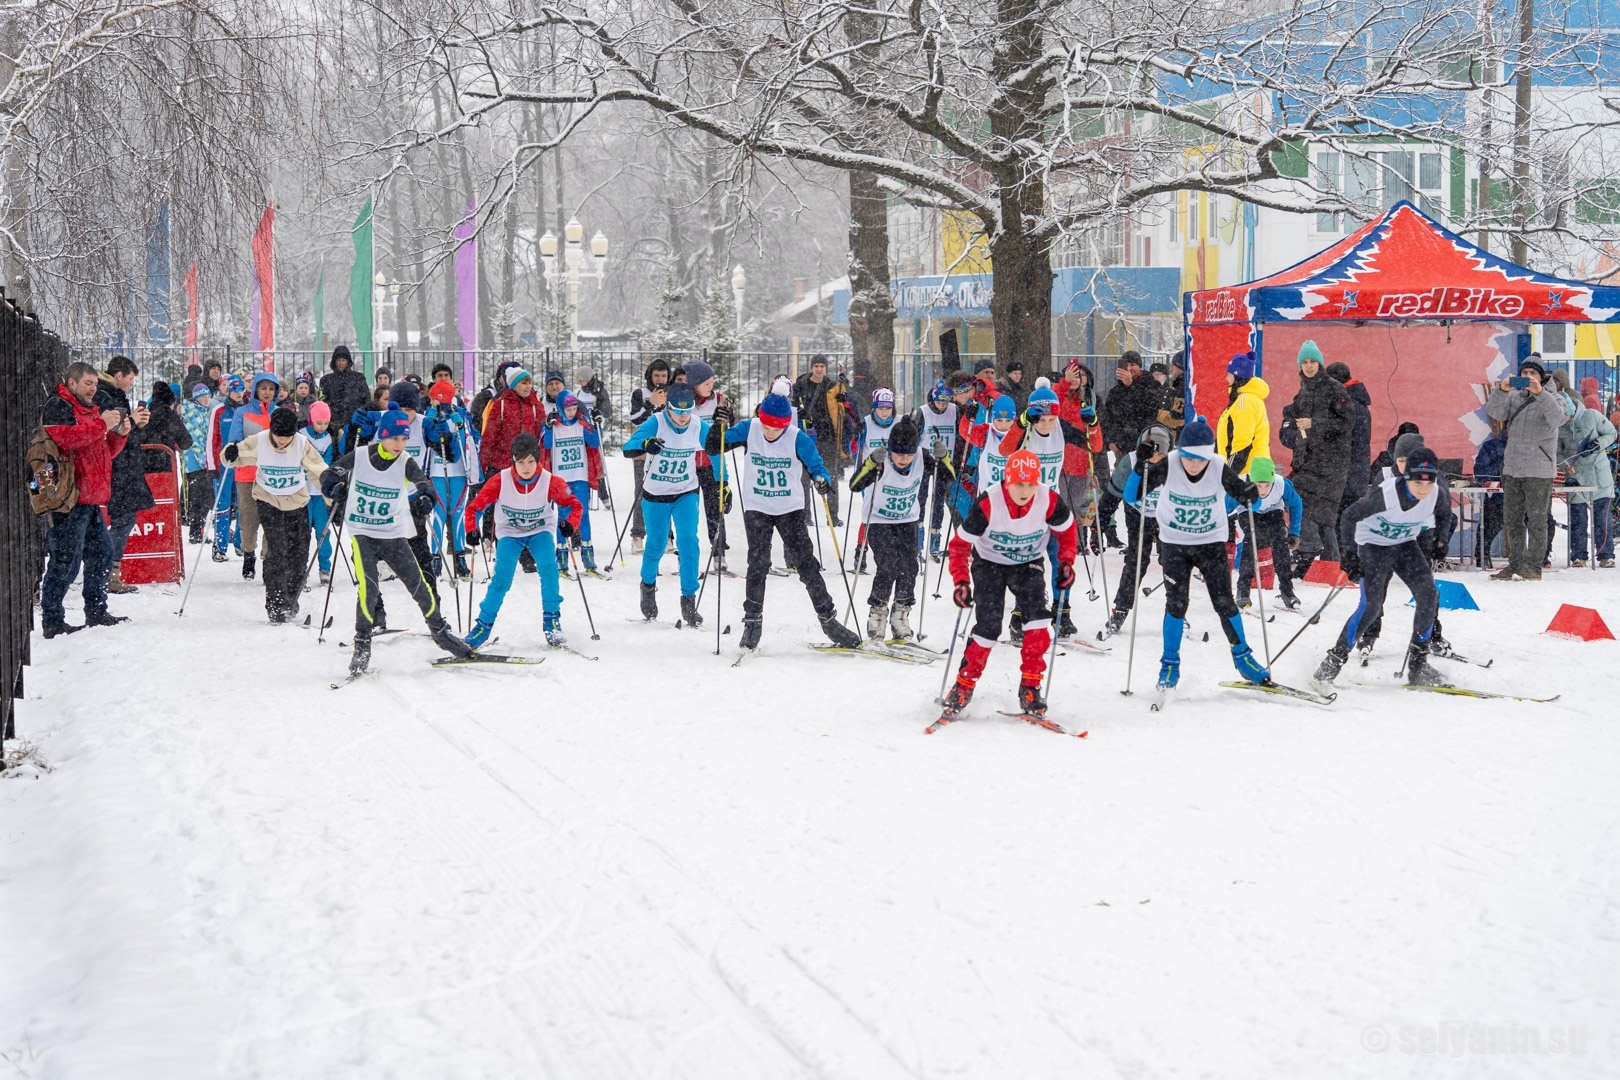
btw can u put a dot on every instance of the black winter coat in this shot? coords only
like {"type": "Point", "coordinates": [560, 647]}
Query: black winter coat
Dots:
{"type": "Point", "coordinates": [1360, 471]}
{"type": "Point", "coordinates": [130, 495]}
{"type": "Point", "coordinates": [1127, 410]}
{"type": "Point", "coordinates": [344, 392]}
{"type": "Point", "coordinates": [1322, 455]}
{"type": "Point", "coordinates": [166, 428]}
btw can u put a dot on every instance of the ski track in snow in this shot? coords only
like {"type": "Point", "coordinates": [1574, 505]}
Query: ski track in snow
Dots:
{"type": "Point", "coordinates": [658, 866]}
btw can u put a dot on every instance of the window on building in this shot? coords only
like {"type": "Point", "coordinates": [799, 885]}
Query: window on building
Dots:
{"type": "Point", "coordinates": [1326, 177]}
{"type": "Point", "coordinates": [1431, 179]}
{"type": "Point", "coordinates": [1177, 208]}
{"type": "Point", "coordinates": [1555, 339]}
{"type": "Point", "coordinates": [1378, 180]}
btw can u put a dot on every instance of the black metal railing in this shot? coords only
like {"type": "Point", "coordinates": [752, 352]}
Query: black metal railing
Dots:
{"type": "Point", "coordinates": [32, 362]}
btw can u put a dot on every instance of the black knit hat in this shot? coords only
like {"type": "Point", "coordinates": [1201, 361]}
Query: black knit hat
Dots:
{"type": "Point", "coordinates": [903, 437]}
{"type": "Point", "coordinates": [284, 423]}
{"type": "Point", "coordinates": [1423, 465]}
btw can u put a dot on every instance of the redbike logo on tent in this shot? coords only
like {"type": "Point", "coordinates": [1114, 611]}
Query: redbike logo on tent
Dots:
{"type": "Point", "coordinates": [1222, 307]}
{"type": "Point", "coordinates": [1451, 302]}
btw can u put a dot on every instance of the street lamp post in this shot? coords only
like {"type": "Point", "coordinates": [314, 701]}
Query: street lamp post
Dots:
{"type": "Point", "coordinates": [739, 284]}
{"type": "Point", "coordinates": [573, 267]}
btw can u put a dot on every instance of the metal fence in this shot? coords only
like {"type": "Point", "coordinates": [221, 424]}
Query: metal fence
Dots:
{"type": "Point", "coordinates": [745, 375]}
{"type": "Point", "coordinates": [32, 362]}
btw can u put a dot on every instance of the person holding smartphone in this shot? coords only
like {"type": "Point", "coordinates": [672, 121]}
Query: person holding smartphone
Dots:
{"type": "Point", "coordinates": [1531, 416]}
{"type": "Point", "coordinates": [646, 401]}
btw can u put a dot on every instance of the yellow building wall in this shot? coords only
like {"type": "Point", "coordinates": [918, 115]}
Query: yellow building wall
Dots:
{"type": "Point", "coordinates": [1597, 342]}
{"type": "Point", "coordinates": [963, 245]}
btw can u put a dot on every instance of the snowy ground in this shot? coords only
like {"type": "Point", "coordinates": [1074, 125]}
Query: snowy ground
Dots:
{"type": "Point", "coordinates": [658, 866]}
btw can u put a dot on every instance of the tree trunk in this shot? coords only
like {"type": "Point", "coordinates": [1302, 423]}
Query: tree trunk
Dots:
{"type": "Point", "coordinates": [871, 308]}
{"type": "Point", "coordinates": [14, 274]}
{"type": "Point", "coordinates": [1521, 132]}
{"type": "Point", "coordinates": [1021, 261]}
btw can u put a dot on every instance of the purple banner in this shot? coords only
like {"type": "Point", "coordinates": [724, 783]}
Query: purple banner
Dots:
{"type": "Point", "coordinates": [467, 296]}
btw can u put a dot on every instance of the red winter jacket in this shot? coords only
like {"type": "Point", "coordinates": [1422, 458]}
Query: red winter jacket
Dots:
{"type": "Point", "coordinates": [78, 430]}
{"type": "Point", "coordinates": [1077, 462]}
{"type": "Point", "coordinates": [505, 418]}
{"type": "Point", "coordinates": [1059, 521]}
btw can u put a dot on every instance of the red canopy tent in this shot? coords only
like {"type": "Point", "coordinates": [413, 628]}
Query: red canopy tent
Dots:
{"type": "Point", "coordinates": [1420, 315]}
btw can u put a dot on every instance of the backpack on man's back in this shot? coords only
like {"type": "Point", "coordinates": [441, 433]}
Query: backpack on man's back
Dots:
{"type": "Point", "coordinates": [52, 485]}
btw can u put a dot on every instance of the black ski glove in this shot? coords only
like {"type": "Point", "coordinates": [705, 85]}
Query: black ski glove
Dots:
{"type": "Point", "coordinates": [474, 537]}
{"type": "Point", "coordinates": [822, 487]}
{"type": "Point", "coordinates": [962, 595]}
{"type": "Point", "coordinates": [229, 453]}
{"type": "Point", "coordinates": [1350, 563]}
{"type": "Point", "coordinates": [653, 446]}
{"type": "Point", "coordinates": [724, 415]}
{"type": "Point", "coordinates": [1065, 576]}
{"type": "Point", "coordinates": [566, 530]}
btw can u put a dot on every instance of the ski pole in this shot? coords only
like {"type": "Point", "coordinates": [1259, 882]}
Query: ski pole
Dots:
{"type": "Point", "coordinates": [1259, 589]}
{"type": "Point", "coordinates": [1102, 549]}
{"type": "Point", "coordinates": [579, 579]}
{"type": "Point", "coordinates": [839, 555]}
{"type": "Point", "coordinates": [950, 534]}
{"type": "Point", "coordinates": [849, 517]}
{"type": "Point", "coordinates": [196, 563]}
{"type": "Point", "coordinates": [1136, 605]}
{"type": "Point", "coordinates": [719, 612]}
{"type": "Point", "coordinates": [949, 652]}
{"type": "Point", "coordinates": [922, 600]}
{"type": "Point", "coordinates": [1091, 584]}
{"type": "Point", "coordinates": [337, 543]}
{"type": "Point", "coordinates": [1337, 589]}
{"type": "Point", "coordinates": [628, 518]}
{"type": "Point", "coordinates": [613, 507]}
{"type": "Point", "coordinates": [1051, 664]}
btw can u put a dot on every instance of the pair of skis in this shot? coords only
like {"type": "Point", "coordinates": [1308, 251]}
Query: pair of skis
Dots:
{"type": "Point", "coordinates": [1037, 719]}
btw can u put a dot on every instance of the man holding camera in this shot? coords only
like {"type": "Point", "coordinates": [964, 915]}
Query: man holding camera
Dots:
{"type": "Point", "coordinates": [130, 495]}
{"type": "Point", "coordinates": [1532, 418]}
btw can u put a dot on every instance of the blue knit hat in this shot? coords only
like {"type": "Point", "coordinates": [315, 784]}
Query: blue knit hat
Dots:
{"type": "Point", "coordinates": [775, 411]}
{"type": "Point", "coordinates": [201, 390]}
{"type": "Point", "coordinates": [1004, 408]}
{"type": "Point", "coordinates": [1041, 402]}
{"type": "Point", "coordinates": [235, 385]}
{"type": "Point", "coordinates": [1197, 439]}
{"type": "Point", "coordinates": [680, 398]}
{"type": "Point", "coordinates": [393, 424]}
{"type": "Point", "coordinates": [405, 395]}
{"type": "Point", "coordinates": [697, 373]}
{"type": "Point", "coordinates": [940, 392]}
{"type": "Point", "coordinates": [555, 376]}
{"type": "Point", "coordinates": [883, 398]}
{"type": "Point", "coordinates": [1241, 367]}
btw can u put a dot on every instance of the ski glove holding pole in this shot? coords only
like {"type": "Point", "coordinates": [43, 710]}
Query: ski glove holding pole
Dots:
{"type": "Point", "coordinates": [1065, 576]}
{"type": "Point", "coordinates": [962, 594]}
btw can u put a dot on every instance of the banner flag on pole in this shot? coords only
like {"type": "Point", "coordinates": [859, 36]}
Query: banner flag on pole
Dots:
{"type": "Point", "coordinates": [467, 294]}
{"type": "Point", "coordinates": [191, 308]}
{"type": "Point", "coordinates": [157, 278]}
{"type": "Point", "coordinates": [264, 272]}
{"type": "Point", "coordinates": [360, 300]}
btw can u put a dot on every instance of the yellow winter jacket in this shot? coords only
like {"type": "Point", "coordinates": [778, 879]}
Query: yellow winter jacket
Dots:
{"type": "Point", "coordinates": [1244, 430]}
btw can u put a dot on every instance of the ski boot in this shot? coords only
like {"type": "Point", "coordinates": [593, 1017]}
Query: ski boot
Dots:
{"type": "Point", "coordinates": [1115, 623]}
{"type": "Point", "coordinates": [1419, 672]}
{"type": "Point", "coordinates": [1289, 601]}
{"type": "Point", "coordinates": [649, 601]}
{"type": "Point", "coordinates": [326, 577]}
{"type": "Point", "coordinates": [1169, 674]}
{"type": "Point", "coordinates": [552, 624]}
{"type": "Point", "coordinates": [750, 634]}
{"type": "Point", "coordinates": [1015, 628]}
{"type": "Point", "coordinates": [935, 552]}
{"type": "Point", "coordinates": [437, 567]}
{"type": "Point", "coordinates": [1438, 645]}
{"type": "Point", "coordinates": [250, 566]}
{"type": "Point", "coordinates": [447, 640]}
{"type": "Point", "coordinates": [478, 635]}
{"type": "Point", "coordinates": [900, 623]}
{"type": "Point", "coordinates": [1331, 664]}
{"type": "Point", "coordinates": [1244, 600]}
{"type": "Point", "coordinates": [463, 570]}
{"type": "Point", "coordinates": [220, 556]}
{"type": "Point", "coordinates": [562, 560]}
{"type": "Point", "coordinates": [638, 544]}
{"type": "Point", "coordinates": [1170, 661]}
{"type": "Point", "coordinates": [526, 560]}
{"type": "Point", "coordinates": [689, 612]}
{"type": "Point", "coordinates": [860, 562]}
{"type": "Point", "coordinates": [196, 536]}
{"type": "Point", "coordinates": [838, 633]}
{"type": "Point", "coordinates": [587, 555]}
{"type": "Point", "coordinates": [1243, 656]}
{"type": "Point", "coordinates": [1111, 535]}
{"type": "Point", "coordinates": [1030, 702]}
{"type": "Point", "coordinates": [104, 618]}
{"type": "Point", "coordinates": [360, 659]}
{"type": "Point", "coordinates": [1065, 625]}
{"type": "Point", "coordinates": [876, 616]}
{"type": "Point", "coordinates": [956, 699]}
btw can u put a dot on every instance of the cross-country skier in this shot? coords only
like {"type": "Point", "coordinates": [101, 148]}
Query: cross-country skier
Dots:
{"type": "Point", "coordinates": [873, 435]}
{"type": "Point", "coordinates": [530, 507]}
{"type": "Point", "coordinates": [219, 428]}
{"type": "Point", "coordinates": [1277, 498]}
{"type": "Point", "coordinates": [773, 463]}
{"type": "Point", "coordinates": [1192, 535]}
{"type": "Point", "coordinates": [1139, 533]}
{"type": "Point", "coordinates": [375, 486]}
{"type": "Point", "coordinates": [1389, 533]}
{"type": "Point", "coordinates": [936, 423]}
{"type": "Point", "coordinates": [671, 442]}
{"type": "Point", "coordinates": [573, 451]}
{"type": "Point", "coordinates": [447, 431]}
{"type": "Point", "coordinates": [285, 466]}
{"type": "Point", "coordinates": [319, 433]}
{"type": "Point", "coordinates": [998, 550]}
{"type": "Point", "coordinates": [896, 475]}
{"type": "Point", "coordinates": [1439, 539]}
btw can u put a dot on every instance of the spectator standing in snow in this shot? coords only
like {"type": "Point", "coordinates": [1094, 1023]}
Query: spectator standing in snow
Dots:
{"type": "Point", "coordinates": [344, 389]}
{"type": "Point", "coordinates": [1356, 474]}
{"type": "Point", "coordinates": [1244, 431]}
{"type": "Point", "coordinates": [1588, 466]}
{"type": "Point", "coordinates": [1488, 470]}
{"type": "Point", "coordinates": [1317, 427]}
{"type": "Point", "coordinates": [93, 439]}
{"type": "Point", "coordinates": [1532, 417]}
{"type": "Point", "coordinates": [824, 409]}
{"type": "Point", "coordinates": [129, 495]}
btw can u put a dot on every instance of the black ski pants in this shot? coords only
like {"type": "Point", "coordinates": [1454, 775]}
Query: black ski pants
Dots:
{"type": "Point", "coordinates": [368, 551]}
{"type": "Point", "coordinates": [285, 555]}
{"type": "Point", "coordinates": [993, 581]}
{"type": "Point", "coordinates": [1125, 595]}
{"type": "Point", "coordinates": [1179, 561]}
{"type": "Point", "coordinates": [1273, 534]}
{"type": "Point", "coordinates": [760, 528]}
{"type": "Point", "coordinates": [1379, 564]}
{"type": "Point", "coordinates": [894, 553]}
{"type": "Point", "coordinates": [199, 499]}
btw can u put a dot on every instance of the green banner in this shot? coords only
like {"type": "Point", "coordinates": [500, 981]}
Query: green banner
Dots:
{"type": "Point", "coordinates": [320, 314]}
{"type": "Point", "coordinates": [360, 291]}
